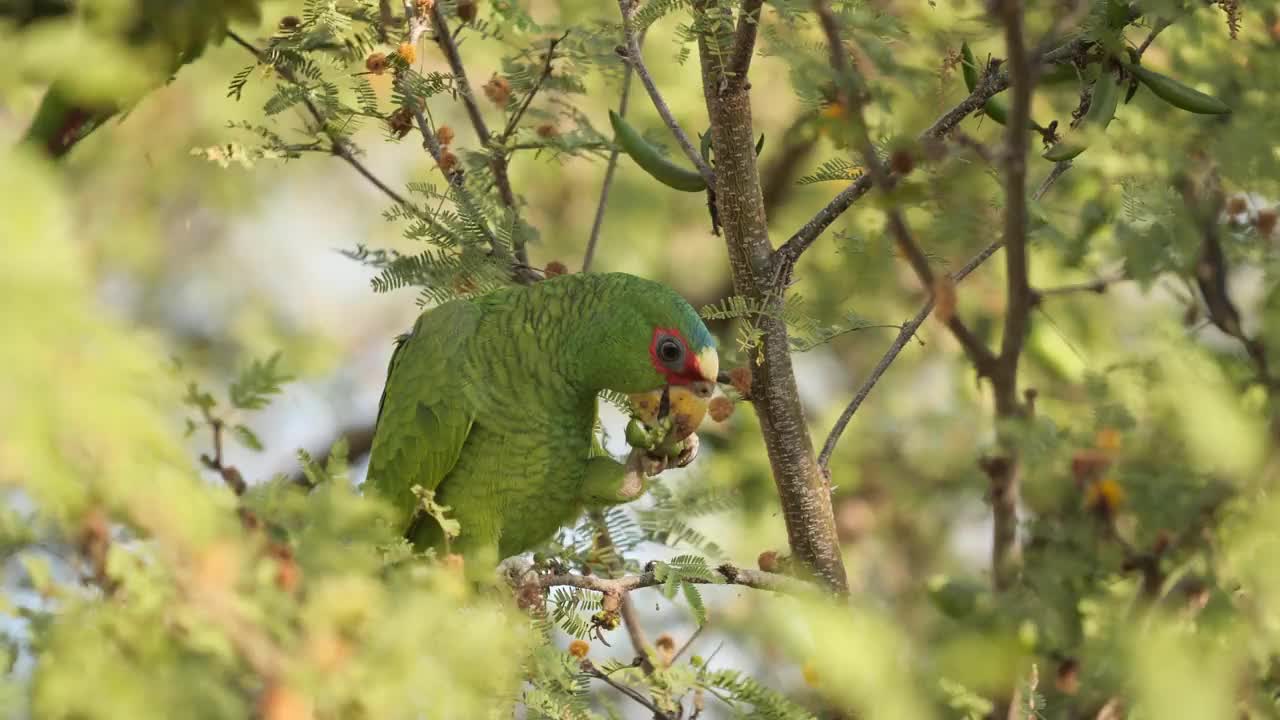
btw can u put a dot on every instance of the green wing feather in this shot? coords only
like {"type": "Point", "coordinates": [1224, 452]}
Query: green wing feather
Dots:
{"type": "Point", "coordinates": [424, 416]}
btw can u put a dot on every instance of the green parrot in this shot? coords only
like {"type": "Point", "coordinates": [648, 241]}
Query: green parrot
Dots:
{"type": "Point", "coordinates": [491, 404]}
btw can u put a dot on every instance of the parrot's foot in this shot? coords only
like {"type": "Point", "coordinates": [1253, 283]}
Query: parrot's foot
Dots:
{"type": "Point", "coordinates": [654, 463]}
{"type": "Point", "coordinates": [690, 451]}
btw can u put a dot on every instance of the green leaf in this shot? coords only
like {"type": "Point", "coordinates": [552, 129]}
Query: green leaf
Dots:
{"type": "Point", "coordinates": [247, 437]}
{"type": "Point", "coordinates": [257, 383]}
{"type": "Point", "coordinates": [694, 598]}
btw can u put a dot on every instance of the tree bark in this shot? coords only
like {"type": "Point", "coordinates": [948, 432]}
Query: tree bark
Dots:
{"type": "Point", "coordinates": [803, 489]}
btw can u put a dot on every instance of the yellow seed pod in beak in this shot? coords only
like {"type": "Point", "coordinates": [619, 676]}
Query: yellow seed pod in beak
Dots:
{"type": "Point", "coordinates": [686, 405]}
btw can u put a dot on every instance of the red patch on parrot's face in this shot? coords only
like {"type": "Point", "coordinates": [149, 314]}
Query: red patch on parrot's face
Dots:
{"type": "Point", "coordinates": [670, 354]}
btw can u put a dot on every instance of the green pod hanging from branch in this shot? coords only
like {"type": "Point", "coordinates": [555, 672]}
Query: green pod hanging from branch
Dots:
{"type": "Point", "coordinates": [1183, 97]}
{"type": "Point", "coordinates": [1107, 90]}
{"type": "Point", "coordinates": [652, 160]}
{"type": "Point", "coordinates": [993, 108]}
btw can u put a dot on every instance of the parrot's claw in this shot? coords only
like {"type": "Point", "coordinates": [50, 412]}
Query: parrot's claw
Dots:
{"type": "Point", "coordinates": [652, 464]}
{"type": "Point", "coordinates": [689, 453]}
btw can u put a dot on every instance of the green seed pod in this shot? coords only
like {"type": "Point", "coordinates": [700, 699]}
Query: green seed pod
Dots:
{"type": "Point", "coordinates": [653, 161]}
{"type": "Point", "coordinates": [1178, 95]}
{"type": "Point", "coordinates": [637, 436]}
{"type": "Point", "coordinates": [994, 107]}
{"type": "Point", "coordinates": [1106, 96]}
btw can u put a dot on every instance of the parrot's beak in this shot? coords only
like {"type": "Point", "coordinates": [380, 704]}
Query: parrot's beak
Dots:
{"type": "Point", "coordinates": [709, 364]}
{"type": "Point", "coordinates": [687, 404]}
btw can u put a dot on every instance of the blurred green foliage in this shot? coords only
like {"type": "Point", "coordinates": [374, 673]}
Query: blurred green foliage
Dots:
{"type": "Point", "coordinates": [138, 586]}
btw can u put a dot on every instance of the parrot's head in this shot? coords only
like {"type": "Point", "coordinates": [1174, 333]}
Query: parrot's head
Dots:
{"type": "Point", "coordinates": [664, 358]}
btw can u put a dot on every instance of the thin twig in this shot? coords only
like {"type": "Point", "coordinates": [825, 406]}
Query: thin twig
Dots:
{"type": "Point", "coordinates": [1058, 169]}
{"type": "Point", "coordinates": [904, 337]}
{"type": "Point", "coordinates": [1161, 24]}
{"type": "Point", "coordinates": [455, 176]}
{"type": "Point", "coordinates": [626, 608]}
{"type": "Point", "coordinates": [542, 77]}
{"type": "Point", "coordinates": [498, 159]}
{"type": "Point", "coordinates": [989, 86]}
{"type": "Point", "coordinates": [1097, 286]}
{"type": "Point", "coordinates": [591, 670]}
{"type": "Point", "coordinates": [634, 58]}
{"type": "Point", "coordinates": [384, 18]}
{"type": "Point", "coordinates": [852, 98]}
{"type": "Point", "coordinates": [338, 146]}
{"type": "Point", "coordinates": [598, 222]}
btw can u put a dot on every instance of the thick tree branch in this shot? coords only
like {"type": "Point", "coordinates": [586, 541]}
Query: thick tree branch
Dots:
{"type": "Point", "coordinates": [744, 42]}
{"type": "Point", "coordinates": [803, 490]}
{"type": "Point", "coordinates": [633, 58]}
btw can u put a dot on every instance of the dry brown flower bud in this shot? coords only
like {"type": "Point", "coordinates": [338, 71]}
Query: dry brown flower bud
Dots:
{"type": "Point", "coordinates": [721, 408]}
{"type": "Point", "coordinates": [901, 161]}
{"type": "Point", "coordinates": [740, 378]}
{"type": "Point", "coordinates": [376, 63]}
{"type": "Point", "coordinates": [768, 561]}
{"type": "Point", "coordinates": [944, 298]}
{"type": "Point", "coordinates": [448, 162]}
{"type": "Point", "coordinates": [400, 122]}
{"type": "Point", "coordinates": [1068, 677]}
{"type": "Point", "coordinates": [280, 702]}
{"type": "Point", "coordinates": [666, 647]}
{"type": "Point", "coordinates": [498, 90]}
{"type": "Point", "coordinates": [467, 10]}
{"type": "Point", "coordinates": [1266, 222]}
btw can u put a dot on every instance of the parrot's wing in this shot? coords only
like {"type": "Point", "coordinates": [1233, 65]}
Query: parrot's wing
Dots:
{"type": "Point", "coordinates": [424, 416]}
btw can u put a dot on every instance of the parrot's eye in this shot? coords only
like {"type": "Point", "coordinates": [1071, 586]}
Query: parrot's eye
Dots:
{"type": "Point", "coordinates": [670, 351]}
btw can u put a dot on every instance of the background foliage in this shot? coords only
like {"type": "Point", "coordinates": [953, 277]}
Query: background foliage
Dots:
{"type": "Point", "coordinates": [197, 304]}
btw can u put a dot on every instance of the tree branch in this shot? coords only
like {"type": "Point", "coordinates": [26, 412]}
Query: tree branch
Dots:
{"type": "Point", "coordinates": [598, 222]}
{"type": "Point", "coordinates": [338, 145]}
{"type": "Point", "coordinates": [744, 42]}
{"type": "Point", "coordinates": [634, 59]}
{"type": "Point", "coordinates": [498, 160]}
{"type": "Point", "coordinates": [1006, 552]}
{"type": "Point", "coordinates": [729, 574]}
{"type": "Point", "coordinates": [542, 77]}
{"type": "Point", "coordinates": [804, 491]}
{"type": "Point", "coordinates": [591, 670]}
{"type": "Point", "coordinates": [990, 85]}
{"type": "Point", "coordinates": [852, 97]}
{"type": "Point", "coordinates": [626, 608]}
{"type": "Point", "coordinates": [1098, 286]}
{"type": "Point", "coordinates": [905, 335]}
